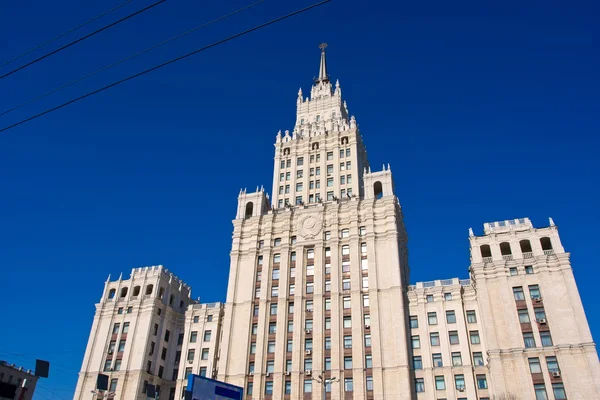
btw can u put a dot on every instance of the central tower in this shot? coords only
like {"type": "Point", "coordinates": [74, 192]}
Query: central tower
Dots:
{"type": "Point", "coordinates": [318, 271]}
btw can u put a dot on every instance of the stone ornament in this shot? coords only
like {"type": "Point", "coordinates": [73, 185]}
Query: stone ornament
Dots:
{"type": "Point", "coordinates": [310, 225]}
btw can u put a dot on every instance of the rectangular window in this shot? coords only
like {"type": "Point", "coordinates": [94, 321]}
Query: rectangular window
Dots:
{"type": "Point", "coordinates": [308, 344]}
{"type": "Point", "coordinates": [429, 298]}
{"type": "Point", "coordinates": [116, 328]}
{"type": "Point", "coordinates": [290, 327]}
{"type": "Point", "coordinates": [528, 269]}
{"type": "Point", "coordinates": [121, 346]}
{"type": "Point", "coordinates": [288, 365]}
{"type": "Point", "coordinates": [365, 300]}
{"type": "Point", "coordinates": [347, 152]}
{"type": "Point", "coordinates": [478, 358]}
{"type": "Point", "coordinates": [414, 322]}
{"type": "Point", "coordinates": [513, 271]}
{"type": "Point", "coordinates": [456, 359]}
{"type": "Point", "coordinates": [107, 365]}
{"type": "Point", "coordinates": [126, 327]}
{"type": "Point", "coordinates": [341, 153]}
{"type": "Point", "coordinates": [417, 363]}
{"type": "Point", "coordinates": [207, 336]}
{"type": "Point", "coordinates": [342, 180]}
{"type": "Point", "coordinates": [254, 329]}
{"type": "Point", "coordinates": [289, 346]}
{"type": "Point", "coordinates": [440, 384]}
{"type": "Point", "coordinates": [348, 363]}
{"type": "Point", "coordinates": [193, 336]}
{"type": "Point", "coordinates": [329, 182]}
{"type": "Point", "coordinates": [276, 258]}
{"type": "Point", "coordinates": [432, 318]}
{"type": "Point", "coordinates": [345, 266]}
{"type": "Point", "coordinates": [559, 391]}
{"type": "Point", "coordinates": [552, 364]}
{"type": "Point", "coordinates": [437, 360]}
{"type": "Point", "coordinates": [255, 313]}
{"type": "Point", "coordinates": [471, 317]}
{"type": "Point", "coordinates": [365, 282]}
{"type": "Point", "coordinates": [450, 317]}
{"type": "Point", "coordinates": [271, 346]}
{"type": "Point", "coordinates": [288, 176]}
{"type": "Point", "coordinates": [299, 174]}
{"type": "Point", "coordinates": [307, 386]}
{"type": "Point", "coordinates": [368, 361]}
{"type": "Point", "coordinates": [367, 340]}
{"type": "Point", "coordinates": [540, 391]}
{"type": "Point", "coordinates": [346, 302]}
{"type": "Point", "coordinates": [309, 306]}
{"type": "Point", "coordinates": [534, 292]}
{"type": "Point", "coordinates": [300, 161]}
{"type": "Point", "coordinates": [327, 286]}
{"type": "Point", "coordinates": [329, 155]}
{"type": "Point", "coordinates": [453, 336]}
{"type": "Point", "coordinates": [308, 364]}
{"type": "Point", "coordinates": [270, 366]}
{"type": "Point", "coordinates": [523, 316]}
{"type": "Point", "coordinates": [327, 323]}
{"type": "Point", "coordinates": [347, 322]}
{"type": "Point", "coordinates": [318, 170]}
{"type": "Point", "coordinates": [348, 385]}
{"type": "Point", "coordinates": [253, 348]}
{"type": "Point", "coordinates": [281, 177]}
{"type": "Point", "coordinates": [481, 382]}
{"type": "Point", "coordinates": [346, 284]}
{"type": "Point", "coordinates": [529, 340]}
{"type": "Point", "coordinates": [310, 288]}
{"type": "Point", "coordinates": [250, 368]}
{"type": "Point", "coordinates": [191, 354]}
{"type": "Point", "coordinates": [518, 293]}
{"type": "Point", "coordinates": [539, 313]}
{"type": "Point", "coordinates": [459, 381]}
{"type": "Point", "coordinates": [348, 165]}
{"type": "Point", "coordinates": [347, 342]}
{"type": "Point", "coordinates": [447, 296]}
{"type": "Point", "coordinates": [308, 324]}
{"type": "Point", "coordinates": [546, 338]}
{"type": "Point", "coordinates": [272, 328]}
{"type": "Point", "coordinates": [474, 337]}
{"type": "Point", "coordinates": [416, 342]}
{"type": "Point", "coordinates": [288, 387]}
{"type": "Point", "coordinates": [274, 291]}
{"type": "Point", "coordinates": [327, 343]}
{"type": "Point", "coordinates": [534, 365]}
{"type": "Point", "coordinates": [419, 385]}
{"type": "Point", "coordinates": [113, 385]}
{"type": "Point", "coordinates": [277, 242]}
{"type": "Point", "coordinates": [204, 354]}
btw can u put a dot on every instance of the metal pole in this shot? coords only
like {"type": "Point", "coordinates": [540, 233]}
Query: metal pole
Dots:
{"type": "Point", "coordinates": [324, 388]}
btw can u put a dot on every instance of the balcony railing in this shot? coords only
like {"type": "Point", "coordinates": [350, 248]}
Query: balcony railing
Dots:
{"type": "Point", "coordinates": [549, 252]}
{"type": "Point", "coordinates": [487, 260]}
{"type": "Point", "coordinates": [507, 257]}
{"type": "Point", "coordinates": [528, 255]}
{"type": "Point", "coordinates": [442, 282]}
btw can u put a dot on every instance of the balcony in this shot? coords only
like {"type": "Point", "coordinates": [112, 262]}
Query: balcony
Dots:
{"type": "Point", "coordinates": [487, 260]}
{"type": "Point", "coordinates": [528, 255]}
{"type": "Point", "coordinates": [507, 257]}
{"type": "Point", "coordinates": [549, 252]}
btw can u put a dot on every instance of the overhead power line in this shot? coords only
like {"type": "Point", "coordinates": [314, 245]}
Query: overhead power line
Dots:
{"type": "Point", "coordinates": [82, 38]}
{"type": "Point", "coordinates": [227, 39]}
{"type": "Point", "coordinates": [64, 33]}
{"type": "Point", "coordinates": [130, 57]}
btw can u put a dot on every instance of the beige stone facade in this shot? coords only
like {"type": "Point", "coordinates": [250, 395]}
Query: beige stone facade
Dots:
{"type": "Point", "coordinates": [319, 296]}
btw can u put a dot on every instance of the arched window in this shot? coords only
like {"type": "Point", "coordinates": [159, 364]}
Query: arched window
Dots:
{"type": "Point", "coordinates": [161, 292]}
{"type": "Point", "coordinates": [149, 289]}
{"type": "Point", "coordinates": [486, 251]}
{"type": "Point", "coordinates": [378, 190]}
{"type": "Point", "coordinates": [525, 246]}
{"type": "Point", "coordinates": [318, 118]}
{"type": "Point", "coordinates": [111, 294]}
{"type": "Point", "coordinates": [249, 209]}
{"type": "Point", "coordinates": [546, 243]}
{"type": "Point", "coordinates": [171, 298]}
{"type": "Point", "coordinates": [124, 292]}
{"type": "Point", "coordinates": [505, 249]}
{"type": "Point", "coordinates": [136, 290]}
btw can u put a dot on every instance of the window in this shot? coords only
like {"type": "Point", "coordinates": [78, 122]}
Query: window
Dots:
{"type": "Point", "coordinates": [288, 387]}
{"type": "Point", "coordinates": [273, 309]}
{"type": "Point", "coordinates": [277, 242]}
{"type": "Point", "coordinates": [255, 312]}
{"type": "Point", "coordinates": [450, 317]}
{"type": "Point", "coordinates": [534, 365]}
{"type": "Point", "coordinates": [346, 284]}
{"type": "Point", "coordinates": [197, 319]}
{"type": "Point", "coordinates": [251, 368]}
{"type": "Point", "coordinates": [308, 344]}
{"type": "Point", "coordinates": [327, 268]}
{"type": "Point", "coordinates": [432, 318]}
{"type": "Point", "coordinates": [288, 176]}
{"type": "Point", "coordinates": [367, 320]}
{"type": "Point", "coordinates": [253, 348]}
{"type": "Point", "coordinates": [347, 342]}
{"type": "Point", "coordinates": [367, 340]}
{"type": "Point", "coordinates": [481, 382]}
{"type": "Point", "coordinates": [518, 293]}
{"type": "Point", "coordinates": [365, 282]}
{"type": "Point", "coordinates": [308, 364]}
{"type": "Point", "coordinates": [107, 365]}
{"type": "Point", "coordinates": [274, 291]}
{"type": "Point", "coordinates": [345, 250]}
{"type": "Point", "coordinates": [288, 365]}
{"type": "Point", "coordinates": [289, 345]}
{"type": "Point", "coordinates": [310, 287]}
{"type": "Point", "coordinates": [308, 324]}
{"type": "Point", "coordinates": [414, 322]}
{"type": "Point", "coordinates": [429, 298]}
{"type": "Point", "coordinates": [368, 361]}
{"type": "Point", "coordinates": [120, 310]}
{"type": "Point", "coordinates": [456, 359]}
{"type": "Point", "coordinates": [204, 354]}
{"type": "Point", "coordinates": [270, 366]}
{"type": "Point", "coordinates": [327, 323]}
{"type": "Point", "coordinates": [116, 328]}
{"type": "Point", "coordinates": [437, 360]}
{"type": "Point", "coordinates": [300, 161]}
{"type": "Point", "coordinates": [307, 386]}
{"type": "Point", "coordinates": [276, 258]}
{"type": "Point", "coordinates": [345, 266]}
{"type": "Point", "coordinates": [348, 386]}
{"type": "Point", "coordinates": [552, 364]}
{"type": "Point", "coordinates": [417, 363]}
{"type": "Point", "coordinates": [327, 343]}
{"type": "Point", "coordinates": [459, 381]}
{"type": "Point", "coordinates": [540, 391]}
{"type": "Point", "coordinates": [345, 233]}
{"type": "Point", "coordinates": [416, 342]}
{"type": "Point", "coordinates": [155, 329]}
{"type": "Point", "coordinates": [546, 338]}
{"type": "Point", "coordinates": [269, 387]}
{"type": "Point", "coordinates": [309, 306]}
{"type": "Point", "coordinates": [447, 296]}
{"type": "Point", "coordinates": [453, 336]}
{"type": "Point", "coordinates": [440, 384]}
{"type": "Point", "coordinates": [202, 372]}
{"type": "Point", "coordinates": [523, 316]}
{"type": "Point", "coordinates": [343, 180]}
{"type": "Point", "coordinates": [126, 327]}
{"type": "Point", "coordinates": [534, 292]}
{"type": "Point", "coordinates": [191, 354]}
{"type": "Point", "coordinates": [529, 340]}
{"type": "Point", "coordinates": [290, 327]}
{"type": "Point", "coordinates": [271, 347]}
{"type": "Point", "coordinates": [370, 384]}
{"type": "Point", "coordinates": [346, 302]}
{"type": "Point", "coordinates": [113, 385]}
{"type": "Point", "coordinates": [474, 337]}
{"type": "Point", "coordinates": [327, 286]}
{"type": "Point", "coordinates": [348, 362]}
{"type": "Point", "coordinates": [559, 391]}
{"type": "Point", "coordinates": [539, 313]}
{"type": "Point", "coordinates": [347, 322]}
{"type": "Point", "coordinates": [478, 358]}
{"type": "Point", "coordinates": [275, 274]}
{"type": "Point", "coordinates": [207, 335]}
{"type": "Point", "coordinates": [419, 385]}
{"type": "Point", "coordinates": [310, 270]}
{"type": "Point", "coordinates": [341, 153]}
{"type": "Point", "coordinates": [471, 317]}
{"type": "Point", "coordinates": [272, 328]}
{"type": "Point", "coordinates": [329, 155]}
{"type": "Point", "coordinates": [121, 346]}
{"type": "Point", "coordinates": [291, 307]}
{"type": "Point", "coordinates": [193, 336]}
{"type": "Point", "coordinates": [528, 269]}
{"type": "Point", "coordinates": [365, 300]}
{"type": "Point", "coordinates": [254, 329]}
{"type": "Point", "coordinates": [513, 271]}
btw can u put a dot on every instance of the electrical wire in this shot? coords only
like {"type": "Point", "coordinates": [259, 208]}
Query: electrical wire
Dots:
{"type": "Point", "coordinates": [65, 33]}
{"type": "Point", "coordinates": [130, 57]}
{"type": "Point", "coordinates": [82, 38]}
{"type": "Point", "coordinates": [227, 39]}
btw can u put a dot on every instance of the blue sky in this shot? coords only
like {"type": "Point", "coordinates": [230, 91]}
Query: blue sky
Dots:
{"type": "Point", "coordinates": [484, 111]}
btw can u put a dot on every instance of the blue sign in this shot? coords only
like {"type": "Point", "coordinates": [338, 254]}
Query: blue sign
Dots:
{"type": "Point", "coordinates": [202, 388]}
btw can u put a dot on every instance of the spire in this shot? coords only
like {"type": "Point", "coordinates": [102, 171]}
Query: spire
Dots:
{"type": "Point", "coordinates": [323, 77]}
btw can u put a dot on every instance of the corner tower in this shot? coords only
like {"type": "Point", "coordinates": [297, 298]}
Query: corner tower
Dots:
{"type": "Point", "coordinates": [317, 275]}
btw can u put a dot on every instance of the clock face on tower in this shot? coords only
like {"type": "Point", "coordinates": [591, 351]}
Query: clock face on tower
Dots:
{"type": "Point", "coordinates": [310, 225]}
